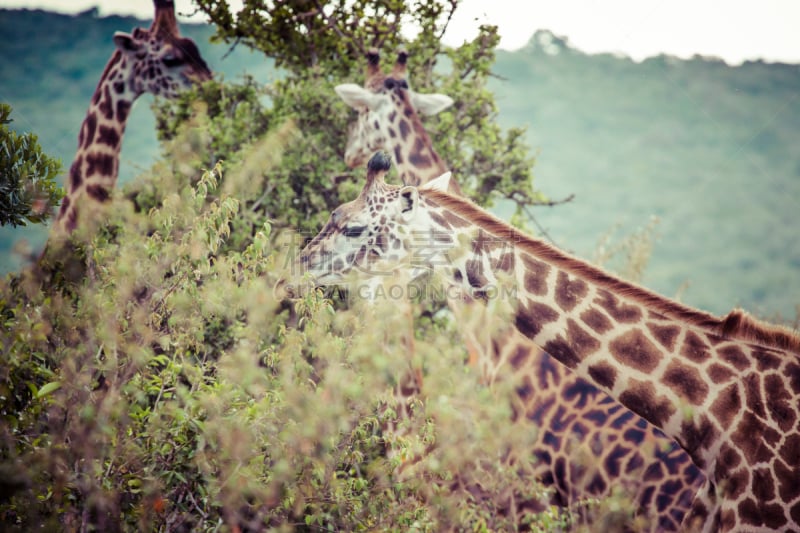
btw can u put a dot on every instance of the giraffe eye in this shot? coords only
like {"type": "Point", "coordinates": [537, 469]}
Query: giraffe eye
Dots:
{"type": "Point", "coordinates": [354, 231]}
{"type": "Point", "coordinates": [172, 61]}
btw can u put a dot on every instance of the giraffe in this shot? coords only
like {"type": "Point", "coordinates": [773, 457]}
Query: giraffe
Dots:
{"type": "Point", "coordinates": [157, 60]}
{"type": "Point", "coordinates": [566, 407]}
{"type": "Point", "coordinates": [388, 119]}
{"type": "Point", "coordinates": [727, 389]}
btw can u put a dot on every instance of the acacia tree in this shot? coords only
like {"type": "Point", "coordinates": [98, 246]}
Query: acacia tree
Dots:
{"type": "Point", "coordinates": [316, 45]}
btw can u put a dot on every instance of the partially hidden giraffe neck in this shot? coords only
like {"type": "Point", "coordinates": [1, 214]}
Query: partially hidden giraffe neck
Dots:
{"type": "Point", "coordinates": [727, 389]}
{"type": "Point", "coordinates": [93, 173]}
{"type": "Point", "coordinates": [416, 159]}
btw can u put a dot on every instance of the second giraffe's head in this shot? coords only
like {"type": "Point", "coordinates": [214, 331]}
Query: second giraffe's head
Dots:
{"type": "Point", "coordinates": [158, 60]}
{"type": "Point", "coordinates": [387, 109]}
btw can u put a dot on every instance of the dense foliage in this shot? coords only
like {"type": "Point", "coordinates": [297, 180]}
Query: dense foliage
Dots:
{"type": "Point", "coordinates": [172, 390]}
{"type": "Point", "coordinates": [28, 190]}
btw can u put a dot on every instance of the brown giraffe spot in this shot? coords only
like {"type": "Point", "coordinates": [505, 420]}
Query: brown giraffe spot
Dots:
{"type": "Point", "coordinates": [753, 398]}
{"type": "Point", "coordinates": [380, 242]}
{"type": "Point", "coordinates": [756, 449]}
{"type": "Point", "coordinates": [613, 459]}
{"type": "Point", "coordinates": [530, 318]}
{"type": "Point", "coordinates": [398, 155]}
{"type": "Point", "coordinates": [123, 107]}
{"type": "Point", "coordinates": [405, 129]}
{"type": "Point", "coordinates": [504, 263]}
{"type": "Point", "coordinates": [569, 292]}
{"type": "Point", "coordinates": [735, 483]}
{"type": "Point", "coordinates": [596, 320]}
{"type": "Point", "coordinates": [695, 348]}
{"type": "Point", "coordinates": [520, 356]}
{"type": "Point", "coordinates": [686, 381]}
{"type": "Point", "coordinates": [641, 398]}
{"type": "Point", "coordinates": [574, 348]}
{"type": "Point", "coordinates": [106, 104]}
{"type": "Point", "coordinates": [100, 164]}
{"type": "Point", "coordinates": [727, 405]}
{"type": "Point", "coordinates": [97, 192]}
{"type": "Point", "coordinates": [108, 136]}
{"type": "Point", "coordinates": [735, 356]}
{"type": "Point", "coordinates": [766, 360]}
{"type": "Point", "coordinates": [392, 116]}
{"type": "Point", "coordinates": [787, 476]}
{"type": "Point", "coordinates": [475, 276]}
{"type": "Point", "coordinates": [581, 342]}
{"type": "Point", "coordinates": [455, 220]}
{"type": "Point", "coordinates": [763, 514]}
{"type": "Point", "coordinates": [484, 242]}
{"type": "Point", "coordinates": [699, 436]}
{"type": "Point", "coordinates": [75, 176]}
{"type": "Point", "coordinates": [72, 220]}
{"type": "Point", "coordinates": [634, 349]}
{"type": "Point", "coordinates": [535, 275]}
{"type": "Point", "coordinates": [792, 373]}
{"type": "Point", "coordinates": [86, 135]}
{"type": "Point", "coordinates": [790, 451]}
{"type": "Point", "coordinates": [597, 485]}
{"type": "Point", "coordinates": [664, 334]}
{"type": "Point", "coordinates": [619, 311]}
{"type": "Point", "coordinates": [603, 374]}
{"type": "Point", "coordinates": [119, 87]}
{"type": "Point", "coordinates": [419, 159]}
{"type": "Point", "coordinates": [763, 484]}
{"type": "Point", "coordinates": [719, 373]}
{"type": "Point", "coordinates": [779, 403]}
{"type": "Point", "coordinates": [392, 134]}
{"type": "Point", "coordinates": [728, 459]}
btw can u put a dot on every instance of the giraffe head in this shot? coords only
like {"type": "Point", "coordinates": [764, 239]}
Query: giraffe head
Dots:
{"type": "Point", "coordinates": [158, 60]}
{"type": "Point", "coordinates": [387, 110]}
{"type": "Point", "coordinates": [376, 232]}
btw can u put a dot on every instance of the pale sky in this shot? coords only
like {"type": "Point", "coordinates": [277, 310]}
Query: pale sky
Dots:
{"type": "Point", "coordinates": [735, 30]}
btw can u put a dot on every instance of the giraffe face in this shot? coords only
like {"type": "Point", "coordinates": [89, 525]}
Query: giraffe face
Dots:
{"type": "Point", "coordinates": [372, 235]}
{"type": "Point", "coordinates": [158, 64]}
{"type": "Point", "coordinates": [385, 114]}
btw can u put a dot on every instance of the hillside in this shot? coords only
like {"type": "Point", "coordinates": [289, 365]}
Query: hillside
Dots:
{"type": "Point", "coordinates": [707, 148]}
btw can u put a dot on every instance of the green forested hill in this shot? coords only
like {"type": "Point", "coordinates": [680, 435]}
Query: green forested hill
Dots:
{"type": "Point", "coordinates": [709, 149]}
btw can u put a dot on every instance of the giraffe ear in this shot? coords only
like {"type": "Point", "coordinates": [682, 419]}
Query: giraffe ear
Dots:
{"type": "Point", "coordinates": [126, 42]}
{"type": "Point", "coordinates": [356, 96]}
{"type": "Point", "coordinates": [442, 183]}
{"type": "Point", "coordinates": [409, 199]}
{"type": "Point", "coordinates": [430, 104]}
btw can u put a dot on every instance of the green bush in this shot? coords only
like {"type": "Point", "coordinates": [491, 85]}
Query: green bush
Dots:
{"type": "Point", "coordinates": [171, 390]}
{"type": "Point", "coordinates": [28, 189]}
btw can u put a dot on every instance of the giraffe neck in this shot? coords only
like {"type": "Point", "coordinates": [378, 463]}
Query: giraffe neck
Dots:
{"type": "Point", "coordinates": [93, 173]}
{"type": "Point", "coordinates": [416, 159]}
{"type": "Point", "coordinates": [680, 369]}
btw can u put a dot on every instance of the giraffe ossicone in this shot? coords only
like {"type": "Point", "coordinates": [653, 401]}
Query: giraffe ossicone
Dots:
{"type": "Point", "coordinates": [726, 388]}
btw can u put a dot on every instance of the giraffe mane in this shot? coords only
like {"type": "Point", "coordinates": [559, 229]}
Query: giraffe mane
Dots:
{"type": "Point", "coordinates": [735, 325]}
